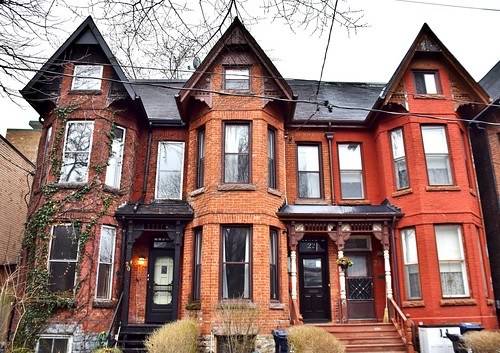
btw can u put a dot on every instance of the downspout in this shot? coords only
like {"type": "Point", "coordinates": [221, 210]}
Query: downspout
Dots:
{"type": "Point", "coordinates": [146, 168]}
{"type": "Point", "coordinates": [395, 258]}
{"type": "Point", "coordinates": [329, 137]}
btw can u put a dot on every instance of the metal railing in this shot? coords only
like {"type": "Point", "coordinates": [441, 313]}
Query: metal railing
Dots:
{"type": "Point", "coordinates": [115, 316]}
{"type": "Point", "coordinates": [404, 325]}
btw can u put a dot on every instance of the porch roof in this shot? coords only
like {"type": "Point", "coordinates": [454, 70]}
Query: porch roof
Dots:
{"type": "Point", "coordinates": [385, 211]}
{"type": "Point", "coordinates": [171, 210]}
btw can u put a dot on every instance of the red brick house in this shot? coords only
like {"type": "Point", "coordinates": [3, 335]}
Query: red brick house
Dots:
{"type": "Point", "coordinates": [158, 200]}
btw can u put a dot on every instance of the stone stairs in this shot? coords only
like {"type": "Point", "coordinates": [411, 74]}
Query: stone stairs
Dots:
{"type": "Point", "coordinates": [367, 337]}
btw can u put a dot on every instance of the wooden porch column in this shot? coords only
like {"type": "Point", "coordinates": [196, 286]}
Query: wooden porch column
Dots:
{"type": "Point", "coordinates": [294, 238]}
{"type": "Point", "coordinates": [339, 237]}
{"type": "Point", "coordinates": [383, 236]}
{"type": "Point", "coordinates": [131, 237]}
{"type": "Point", "coordinates": [177, 268]}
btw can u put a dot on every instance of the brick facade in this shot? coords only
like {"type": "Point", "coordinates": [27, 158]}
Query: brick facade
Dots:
{"type": "Point", "coordinates": [163, 229]}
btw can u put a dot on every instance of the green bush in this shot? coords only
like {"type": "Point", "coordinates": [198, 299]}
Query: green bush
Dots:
{"type": "Point", "coordinates": [483, 341]}
{"type": "Point", "coordinates": [311, 339]}
{"type": "Point", "coordinates": [175, 337]}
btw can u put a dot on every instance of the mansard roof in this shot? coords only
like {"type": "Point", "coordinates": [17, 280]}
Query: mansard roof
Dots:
{"type": "Point", "coordinates": [51, 72]}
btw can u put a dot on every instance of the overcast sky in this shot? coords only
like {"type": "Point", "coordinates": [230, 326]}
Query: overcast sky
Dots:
{"type": "Point", "coordinates": [370, 55]}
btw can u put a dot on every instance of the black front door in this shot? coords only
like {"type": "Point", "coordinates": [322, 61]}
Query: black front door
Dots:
{"type": "Point", "coordinates": [160, 289]}
{"type": "Point", "coordinates": [313, 280]}
{"type": "Point", "coordinates": [360, 303]}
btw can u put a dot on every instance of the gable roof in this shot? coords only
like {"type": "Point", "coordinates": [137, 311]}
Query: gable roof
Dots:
{"type": "Point", "coordinates": [491, 81]}
{"type": "Point", "coordinates": [427, 41]}
{"type": "Point", "coordinates": [235, 27]}
{"type": "Point", "coordinates": [86, 33]}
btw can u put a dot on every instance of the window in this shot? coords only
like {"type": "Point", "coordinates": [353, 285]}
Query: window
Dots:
{"type": "Point", "coordinates": [236, 153]}
{"type": "Point", "coordinates": [273, 262]}
{"type": "Point", "coordinates": [399, 157]}
{"type": "Point", "coordinates": [427, 82]}
{"type": "Point", "coordinates": [237, 79]}
{"type": "Point", "coordinates": [308, 159]}
{"type": "Point", "coordinates": [451, 261]}
{"type": "Point", "coordinates": [436, 155]}
{"type": "Point", "coordinates": [197, 265]}
{"type": "Point", "coordinates": [53, 344]}
{"type": "Point", "coordinates": [200, 162]}
{"type": "Point", "coordinates": [76, 155]}
{"type": "Point", "coordinates": [170, 170]}
{"type": "Point", "coordinates": [351, 171]}
{"type": "Point", "coordinates": [87, 78]}
{"type": "Point", "coordinates": [63, 257]}
{"type": "Point", "coordinates": [410, 258]}
{"type": "Point", "coordinates": [114, 168]}
{"type": "Point", "coordinates": [271, 158]}
{"type": "Point", "coordinates": [236, 269]}
{"type": "Point", "coordinates": [106, 262]}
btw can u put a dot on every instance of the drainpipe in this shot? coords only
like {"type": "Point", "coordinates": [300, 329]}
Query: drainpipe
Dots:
{"type": "Point", "coordinates": [146, 168]}
{"type": "Point", "coordinates": [329, 137]}
{"type": "Point", "coordinates": [395, 258]}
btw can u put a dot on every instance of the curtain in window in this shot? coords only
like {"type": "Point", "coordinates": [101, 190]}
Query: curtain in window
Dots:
{"type": "Point", "coordinates": [236, 159]}
{"type": "Point", "coordinates": [236, 263]}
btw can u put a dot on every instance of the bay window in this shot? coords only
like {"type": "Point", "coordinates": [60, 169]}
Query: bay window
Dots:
{"type": "Point", "coordinates": [63, 257]}
{"type": "Point", "coordinates": [436, 155]}
{"type": "Point", "coordinates": [76, 151]}
{"type": "Point", "coordinates": [271, 159]}
{"type": "Point", "coordinates": [105, 263]}
{"type": "Point", "coordinates": [114, 168]}
{"type": "Point", "coordinates": [410, 260]}
{"type": "Point", "coordinates": [200, 159]}
{"type": "Point", "coordinates": [236, 267]}
{"type": "Point", "coordinates": [237, 153]}
{"type": "Point", "coordinates": [399, 158]}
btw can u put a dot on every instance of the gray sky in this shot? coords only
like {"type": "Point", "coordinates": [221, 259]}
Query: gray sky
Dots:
{"type": "Point", "coordinates": [370, 55]}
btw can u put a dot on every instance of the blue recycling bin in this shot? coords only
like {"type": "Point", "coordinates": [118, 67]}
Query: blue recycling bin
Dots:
{"type": "Point", "coordinates": [281, 345]}
{"type": "Point", "coordinates": [467, 327]}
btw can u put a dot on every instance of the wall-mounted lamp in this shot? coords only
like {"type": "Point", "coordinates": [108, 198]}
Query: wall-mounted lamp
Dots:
{"type": "Point", "coordinates": [141, 261]}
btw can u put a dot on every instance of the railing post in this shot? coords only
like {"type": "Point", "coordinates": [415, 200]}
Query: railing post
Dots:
{"type": "Point", "coordinates": [409, 335]}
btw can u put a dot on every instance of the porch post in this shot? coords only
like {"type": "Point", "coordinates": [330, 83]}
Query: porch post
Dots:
{"type": "Point", "coordinates": [293, 273]}
{"type": "Point", "coordinates": [127, 271]}
{"type": "Point", "coordinates": [383, 236]}
{"type": "Point", "coordinates": [177, 268]}
{"type": "Point", "coordinates": [343, 292]}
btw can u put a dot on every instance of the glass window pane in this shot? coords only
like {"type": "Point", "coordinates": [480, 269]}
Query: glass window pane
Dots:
{"type": "Point", "coordinates": [449, 243]}
{"type": "Point", "coordinates": [170, 168]}
{"type": "Point", "coordinates": [452, 279]}
{"type": "Point", "coordinates": [64, 244]}
{"type": "Point", "coordinates": [235, 245]}
{"type": "Point", "coordinates": [309, 185]}
{"type": "Point", "coordinates": [103, 290]}
{"type": "Point", "coordinates": [62, 276]}
{"type": "Point", "coordinates": [412, 281]}
{"type": "Point", "coordinates": [88, 77]}
{"type": "Point", "coordinates": [113, 170]}
{"type": "Point", "coordinates": [438, 169]}
{"type": "Point", "coordinates": [308, 158]}
{"type": "Point", "coordinates": [352, 185]}
{"type": "Point", "coordinates": [350, 156]}
{"type": "Point", "coordinates": [410, 246]}
{"type": "Point", "coordinates": [313, 273]}
{"type": "Point", "coordinates": [236, 138]}
{"type": "Point", "coordinates": [106, 244]}
{"type": "Point", "coordinates": [401, 174]}
{"type": "Point", "coordinates": [434, 138]}
{"type": "Point", "coordinates": [236, 168]}
{"type": "Point", "coordinates": [237, 79]}
{"type": "Point", "coordinates": [398, 148]}
{"type": "Point", "coordinates": [45, 345]}
{"type": "Point", "coordinates": [430, 83]}
{"type": "Point", "coordinates": [76, 152]}
{"type": "Point", "coordinates": [235, 281]}
{"type": "Point", "coordinates": [419, 83]}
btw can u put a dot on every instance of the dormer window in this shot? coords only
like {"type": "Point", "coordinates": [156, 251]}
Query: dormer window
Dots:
{"type": "Point", "coordinates": [87, 78]}
{"type": "Point", "coordinates": [427, 82]}
{"type": "Point", "coordinates": [237, 79]}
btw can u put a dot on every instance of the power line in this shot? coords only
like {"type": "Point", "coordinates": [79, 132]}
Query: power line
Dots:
{"type": "Point", "coordinates": [449, 5]}
{"type": "Point", "coordinates": [17, 165]}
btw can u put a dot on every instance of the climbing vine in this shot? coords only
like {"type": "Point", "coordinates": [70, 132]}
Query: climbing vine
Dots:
{"type": "Point", "coordinates": [39, 303]}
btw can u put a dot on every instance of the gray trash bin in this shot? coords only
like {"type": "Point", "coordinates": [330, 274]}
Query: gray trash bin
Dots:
{"type": "Point", "coordinates": [280, 341]}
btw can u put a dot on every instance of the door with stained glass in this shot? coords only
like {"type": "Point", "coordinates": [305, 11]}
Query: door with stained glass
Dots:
{"type": "Point", "coordinates": [160, 286]}
{"type": "Point", "coordinates": [313, 280]}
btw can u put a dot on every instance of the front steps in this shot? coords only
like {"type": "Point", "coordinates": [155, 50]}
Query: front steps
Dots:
{"type": "Point", "coordinates": [367, 337]}
{"type": "Point", "coordinates": [131, 337]}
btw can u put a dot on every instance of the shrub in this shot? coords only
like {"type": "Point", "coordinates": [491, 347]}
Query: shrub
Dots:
{"type": "Point", "coordinates": [108, 350]}
{"type": "Point", "coordinates": [175, 337]}
{"type": "Point", "coordinates": [311, 339]}
{"type": "Point", "coordinates": [483, 341]}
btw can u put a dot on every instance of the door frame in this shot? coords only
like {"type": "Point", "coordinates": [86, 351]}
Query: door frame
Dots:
{"type": "Point", "coordinates": [323, 257]}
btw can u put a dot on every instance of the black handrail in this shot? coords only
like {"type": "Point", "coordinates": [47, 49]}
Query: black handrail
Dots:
{"type": "Point", "coordinates": [115, 315]}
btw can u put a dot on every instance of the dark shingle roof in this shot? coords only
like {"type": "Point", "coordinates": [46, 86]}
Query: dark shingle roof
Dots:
{"type": "Point", "coordinates": [179, 210]}
{"type": "Point", "coordinates": [159, 102]}
{"type": "Point", "coordinates": [491, 81]}
{"type": "Point", "coordinates": [323, 211]}
{"type": "Point", "coordinates": [343, 94]}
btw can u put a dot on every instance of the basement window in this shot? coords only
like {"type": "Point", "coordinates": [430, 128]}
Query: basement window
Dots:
{"type": "Point", "coordinates": [53, 344]}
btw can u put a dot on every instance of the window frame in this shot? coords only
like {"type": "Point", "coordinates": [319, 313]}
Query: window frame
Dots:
{"type": "Point", "coordinates": [222, 272]}
{"type": "Point", "coordinates": [197, 264]}
{"type": "Point", "coordinates": [117, 168]}
{"type": "Point", "coordinates": [319, 171]}
{"type": "Point", "coordinates": [407, 264]}
{"type": "Point", "coordinates": [397, 160]}
{"type": "Point", "coordinates": [248, 125]}
{"type": "Point", "coordinates": [272, 170]}
{"type": "Point", "coordinates": [80, 76]}
{"type": "Point", "coordinates": [200, 157]}
{"type": "Point", "coordinates": [343, 171]}
{"type": "Point", "coordinates": [109, 294]}
{"type": "Point", "coordinates": [68, 338]}
{"type": "Point", "coordinates": [65, 152]}
{"type": "Point", "coordinates": [457, 229]}
{"type": "Point", "coordinates": [429, 155]}
{"type": "Point", "coordinates": [237, 71]}
{"type": "Point", "coordinates": [422, 74]}
{"type": "Point", "coordinates": [74, 261]}
{"type": "Point", "coordinates": [160, 171]}
{"type": "Point", "coordinates": [274, 263]}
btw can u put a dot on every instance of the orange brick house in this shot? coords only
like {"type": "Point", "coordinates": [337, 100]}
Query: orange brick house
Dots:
{"type": "Point", "coordinates": [163, 199]}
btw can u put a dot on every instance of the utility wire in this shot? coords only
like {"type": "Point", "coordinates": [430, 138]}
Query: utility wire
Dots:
{"type": "Point", "coordinates": [17, 165]}
{"type": "Point", "coordinates": [449, 5]}
{"type": "Point", "coordinates": [327, 46]}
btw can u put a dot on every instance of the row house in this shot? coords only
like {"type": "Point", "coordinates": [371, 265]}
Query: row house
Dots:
{"type": "Point", "coordinates": [166, 199]}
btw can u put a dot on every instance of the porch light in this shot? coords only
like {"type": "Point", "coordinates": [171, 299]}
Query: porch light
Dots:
{"type": "Point", "coordinates": [377, 227]}
{"type": "Point", "coordinates": [141, 261]}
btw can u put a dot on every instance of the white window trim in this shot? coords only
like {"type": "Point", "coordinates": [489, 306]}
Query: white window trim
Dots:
{"type": "Point", "coordinates": [445, 154]}
{"type": "Point", "coordinates": [158, 169]}
{"type": "Point", "coordinates": [78, 76]}
{"type": "Point", "coordinates": [406, 264]}
{"type": "Point", "coordinates": [118, 169]}
{"type": "Point", "coordinates": [66, 260]}
{"type": "Point", "coordinates": [111, 277]}
{"type": "Point", "coordinates": [91, 122]}
{"type": "Point", "coordinates": [345, 170]}
{"type": "Point", "coordinates": [56, 336]}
